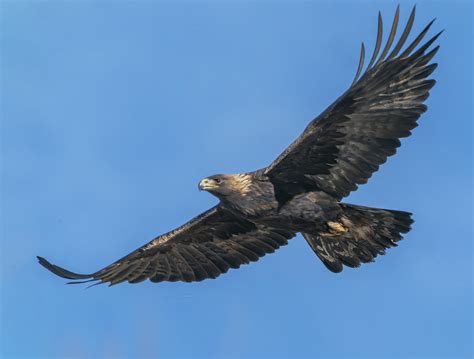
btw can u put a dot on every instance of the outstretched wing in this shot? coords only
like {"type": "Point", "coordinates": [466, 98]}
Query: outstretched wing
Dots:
{"type": "Point", "coordinates": [205, 247]}
{"type": "Point", "coordinates": [344, 145]}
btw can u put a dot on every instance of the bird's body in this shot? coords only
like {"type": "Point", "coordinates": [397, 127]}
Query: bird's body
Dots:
{"type": "Point", "coordinates": [255, 200]}
{"type": "Point", "coordinates": [302, 190]}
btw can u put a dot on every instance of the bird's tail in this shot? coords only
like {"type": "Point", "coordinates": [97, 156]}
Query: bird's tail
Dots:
{"type": "Point", "coordinates": [360, 234]}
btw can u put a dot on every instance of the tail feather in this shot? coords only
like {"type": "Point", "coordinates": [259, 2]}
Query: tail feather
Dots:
{"type": "Point", "coordinates": [360, 235]}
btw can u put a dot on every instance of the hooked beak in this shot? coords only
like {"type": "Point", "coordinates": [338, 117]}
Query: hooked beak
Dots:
{"type": "Point", "coordinates": [207, 184]}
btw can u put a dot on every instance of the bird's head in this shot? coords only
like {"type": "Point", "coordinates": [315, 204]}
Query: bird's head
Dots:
{"type": "Point", "coordinates": [226, 185]}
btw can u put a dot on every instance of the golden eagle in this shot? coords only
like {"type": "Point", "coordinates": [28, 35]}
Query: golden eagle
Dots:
{"type": "Point", "coordinates": [301, 191]}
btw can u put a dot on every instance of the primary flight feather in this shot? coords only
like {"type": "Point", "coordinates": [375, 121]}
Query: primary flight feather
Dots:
{"type": "Point", "coordinates": [300, 192]}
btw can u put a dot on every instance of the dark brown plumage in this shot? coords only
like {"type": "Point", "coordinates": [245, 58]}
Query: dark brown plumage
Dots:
{"type": "Point", "coordinates": [302, 189]}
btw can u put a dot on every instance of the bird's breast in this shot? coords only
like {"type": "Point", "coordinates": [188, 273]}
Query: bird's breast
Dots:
{"type": "Point", "coordinates": [259, 201]}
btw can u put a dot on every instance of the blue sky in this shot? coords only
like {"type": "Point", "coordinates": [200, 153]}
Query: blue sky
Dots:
{"type": "Point", "coordinates": [113, 111]}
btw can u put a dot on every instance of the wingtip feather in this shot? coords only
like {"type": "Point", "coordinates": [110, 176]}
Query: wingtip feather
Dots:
{"type": "Point", "coordinates": [391, 37]}
{"type": "Point", "coordinates": [361, 63]}
{"type": "Point", "coordinates": [404, 35]}
{"type": "Point", "coordinates": [59, 271]}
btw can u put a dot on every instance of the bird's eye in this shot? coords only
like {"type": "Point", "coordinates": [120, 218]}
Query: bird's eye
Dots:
{"type": "Point", "coordinates": [218, 180]}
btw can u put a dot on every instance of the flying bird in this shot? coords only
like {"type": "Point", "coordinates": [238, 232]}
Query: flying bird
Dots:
{"type": "Point", "coordinates": [302, 190]}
